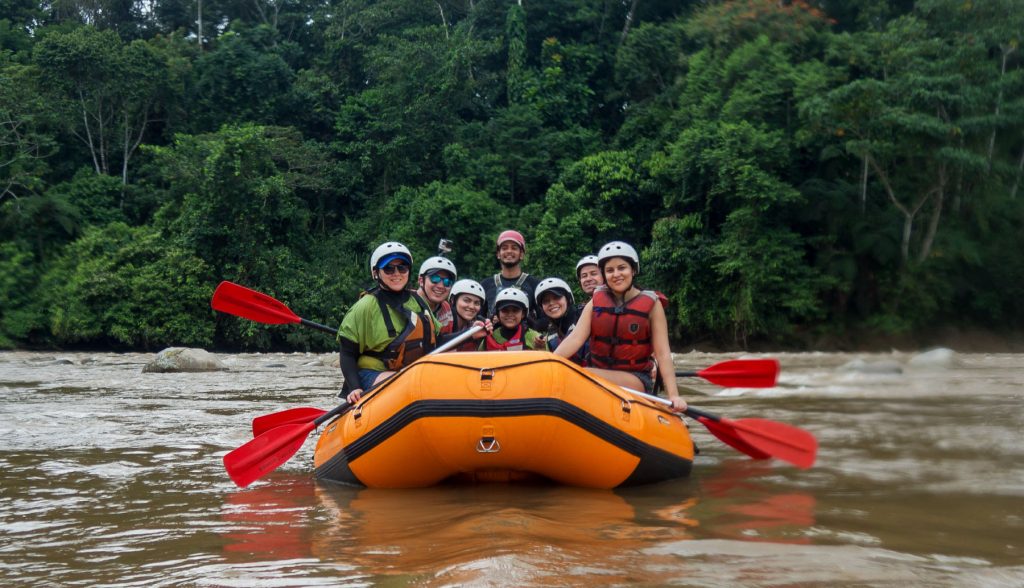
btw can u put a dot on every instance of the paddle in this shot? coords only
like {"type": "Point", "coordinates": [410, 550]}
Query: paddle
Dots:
{"type": "Point", "coordinates": [268, 451]}
{"type": "Point", "coordinates": [749, 373]}
{"type": "Point", "coordinates": [739, 373]}
{"type": "Point", "coordinates": [241, 301]}
{"type": "Point", "coordinates": [758, 438]}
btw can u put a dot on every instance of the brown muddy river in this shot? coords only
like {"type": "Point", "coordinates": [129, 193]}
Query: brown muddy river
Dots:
{"type": "Point", "coordinates": [114, 477]}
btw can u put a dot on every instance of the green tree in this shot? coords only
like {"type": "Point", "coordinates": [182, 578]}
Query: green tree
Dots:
{"type": "Point", "coordinates": [235, 199]}
{"type": "Point", "coordinates": [109, 92]}
{"type": "Point", "coordinates": [598, 199]}
{"type": "Point", "coordinates": [420, 216]}
{"type": "Point", "coordinates": [130, 287]}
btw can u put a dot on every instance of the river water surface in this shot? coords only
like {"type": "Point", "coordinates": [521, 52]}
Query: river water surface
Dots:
{"type": "Point", "coordinates": [114, 477]}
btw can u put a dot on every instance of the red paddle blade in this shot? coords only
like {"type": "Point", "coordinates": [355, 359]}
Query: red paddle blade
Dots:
{"type": "Point", "coordinates": [292, 416]}
{"type": "Point", "coordinates": [743, 373]}
{"type": "Point", "coordinates": [776, 439]}
{"type": "Point", "coordinates": [728, 435]}
{"type": "Point", "coordinates": [265, 453]}
{"type": "Point", "coordinates": [241, 301]}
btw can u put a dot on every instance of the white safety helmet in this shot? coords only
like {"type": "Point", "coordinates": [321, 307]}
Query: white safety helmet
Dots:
{"type": "Point", "coordinates": [386, 252]}
{"type": "Point", "coordinates": [438, 263]}
{"type": "Point", "coordinates": [618, 249]}
{"type": "Point", "coordinates": [556, 285]}
{"type": "Point", "coordinates": [468, 287]}
{"type": "Point", "coordinates": [512, 296]}
{"type": "Point", "coordinates": [585, 260]}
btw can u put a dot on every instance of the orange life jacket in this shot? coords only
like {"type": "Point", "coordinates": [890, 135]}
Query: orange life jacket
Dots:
{"type": "Point", "coordinates": [620, 336]}
{"type": "Point", "coordinates": [416, 339]}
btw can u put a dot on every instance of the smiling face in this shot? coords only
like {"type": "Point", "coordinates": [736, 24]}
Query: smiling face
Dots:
{"type": "Point", "coordinates": [553, 304]}
{"type": "Point", "coordinates": [467, 306]}
{"type": "Point", "coordinates": [510, 254]}
{"type": "Point", "coordinates": [590, 278]}
{"type": "Point", "coordinates": [618, 275]}
{"type": "Point", "coordinates": [510, 316]}
{"type": "Point", "coordinates": [395, 275]}
{"type": "Point", "coordinates": [436, 292]}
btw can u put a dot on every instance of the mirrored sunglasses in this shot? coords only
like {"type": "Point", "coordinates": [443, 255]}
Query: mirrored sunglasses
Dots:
{"type": "Point", "coordinates": [437, 279]}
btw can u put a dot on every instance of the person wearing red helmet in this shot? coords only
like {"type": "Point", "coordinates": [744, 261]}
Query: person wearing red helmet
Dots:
{"type": "Point", "coordinates": [511, 250]}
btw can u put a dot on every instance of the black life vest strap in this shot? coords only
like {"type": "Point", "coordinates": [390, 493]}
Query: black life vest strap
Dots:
{"type": "Point", "coordinates": [638, 363]}
{"type": "Point", "coordinates": [613, 341]}
{"type": "Point", "coordinates": [621, 310]}
{"type": "Point", "coordinates": [391, 351]}
{"type": "Point", "coordinates": [519, 282]}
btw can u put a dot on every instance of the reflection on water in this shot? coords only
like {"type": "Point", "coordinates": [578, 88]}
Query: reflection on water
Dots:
{"type": "Point", "coordinates": [546, 534]}
{"type": "Point", "coordinates": [111, 476]}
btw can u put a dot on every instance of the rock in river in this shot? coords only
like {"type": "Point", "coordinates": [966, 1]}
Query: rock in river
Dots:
{"type": "Point", "coordinates": [184, 359]}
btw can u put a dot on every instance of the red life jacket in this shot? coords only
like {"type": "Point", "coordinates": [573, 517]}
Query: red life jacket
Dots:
{"type": "Point", "coordinates": [620, 336]}
{"type": "Point", "coordinates": [514, 343]}
{"type": "Point", "coordinates": [459, 325]}
{"type": "Point", "coordinates": [445, 317]}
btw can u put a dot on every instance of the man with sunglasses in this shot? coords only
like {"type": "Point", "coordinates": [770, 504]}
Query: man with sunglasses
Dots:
{"type": "Point", "coordinates": [437, 274]}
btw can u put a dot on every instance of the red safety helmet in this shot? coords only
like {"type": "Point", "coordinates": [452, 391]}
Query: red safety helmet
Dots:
{"type": "Point", "coordinates": [514, 236]}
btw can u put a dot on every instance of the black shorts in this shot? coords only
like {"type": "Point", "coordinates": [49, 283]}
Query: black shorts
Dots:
{"type": "Point", "coordinates": [645, 378]}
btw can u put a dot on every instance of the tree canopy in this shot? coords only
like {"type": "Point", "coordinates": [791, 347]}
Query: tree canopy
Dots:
{"type": "Point", "coordinates": [791, 171]}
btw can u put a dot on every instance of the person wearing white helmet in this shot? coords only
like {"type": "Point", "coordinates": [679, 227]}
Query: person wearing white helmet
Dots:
{"type": "Point", "coordinates": [467, 298]}
{"type": "Point", "coordinates": [555, 300]}
{"type": "Point", "coordinates": [512, 333]}
{"type": "Point", "coordinates": [625, 327]}
{"type": "Point", "coordinates": [437, 274]}
{"type": "Point", "coordinates": [389, 327]}
{"type": "Point", "coordinates": [511, 250]}
{"type": "Point", "coordinates": [588, 274]}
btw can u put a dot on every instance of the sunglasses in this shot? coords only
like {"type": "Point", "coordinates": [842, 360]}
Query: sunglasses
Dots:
{"type": "Point", "coordinates": [437, 279]}
{"type": "Point", "coordinates": [391, 269]}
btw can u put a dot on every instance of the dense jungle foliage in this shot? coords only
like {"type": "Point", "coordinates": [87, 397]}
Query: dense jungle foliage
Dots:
{"type": "Point", "coordinates": [793, 172]}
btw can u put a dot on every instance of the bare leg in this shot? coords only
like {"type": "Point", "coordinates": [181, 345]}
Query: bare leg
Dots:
{"type": "Point", "coordinates": [381, 377]}
{"type": "Point", "coordinates": [621, 378]}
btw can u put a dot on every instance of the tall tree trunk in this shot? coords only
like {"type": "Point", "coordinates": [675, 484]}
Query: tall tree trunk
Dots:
{"type": "Point", "coordinates": [629, 21]}
{"type": "Point", "coordinates": [933, 223]}
{"type": "Point", "coordinates": [908, 213]}
{"type": "Point", "coordinates": [1007, 51]}
{"type": "Point", "coordinates": [444, 22]}
{"type": "Point", "coordinates": [88, 134]}
{"type": "Point", "coordinates": [1020, 171]}
{"type": "Point", "coordinates": [864, 185]}
{"type": "Point", "coordinates": [199, 31]}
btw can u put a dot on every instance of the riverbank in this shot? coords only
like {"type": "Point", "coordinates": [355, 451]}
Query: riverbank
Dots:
{"type": "Point", "coordinates": [959, 339]}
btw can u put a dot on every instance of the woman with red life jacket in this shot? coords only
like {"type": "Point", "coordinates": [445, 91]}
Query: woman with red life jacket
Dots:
{"type": "Point", "coordinates": [626, 326]}
{"type": "Point", "coordinates": [387, 328]}
{"type": "Point", "coordinates": [437, 274]}
{"type": "Point", "coordinates": [468, 299]}
{"type": "Point", "coordinates": [555, 300]}
{"type": "Point", "coordinates": [512, 333]}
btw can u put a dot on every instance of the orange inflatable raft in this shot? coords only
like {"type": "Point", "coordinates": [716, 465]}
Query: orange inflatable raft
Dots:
{"type": "Point", "coordinates": [502, 416]}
